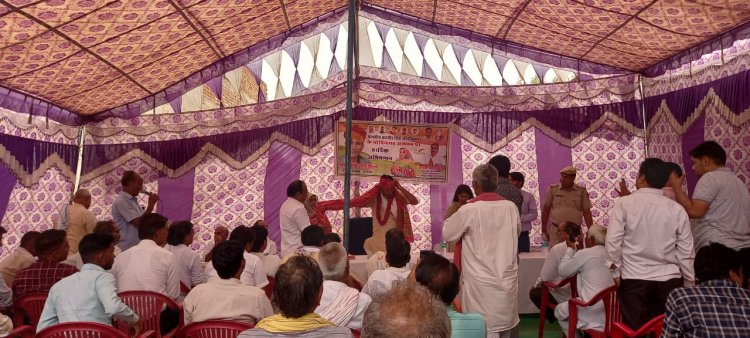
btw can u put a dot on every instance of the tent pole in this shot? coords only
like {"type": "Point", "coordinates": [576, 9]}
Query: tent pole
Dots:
{"type": "Point", "coordinates": [643, 114]}
{"type": "Point", "coordinates": [79, 163]}
{"type": "Point", "coordinates": [351, 31]}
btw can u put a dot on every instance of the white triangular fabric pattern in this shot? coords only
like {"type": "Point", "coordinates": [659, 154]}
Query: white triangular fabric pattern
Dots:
{"type": "Point", "coordinates": [446, 75]}
{"type": "Point", "coordinates": [407, 67]}
{"type": "Point", "coordinates": [313, 44]}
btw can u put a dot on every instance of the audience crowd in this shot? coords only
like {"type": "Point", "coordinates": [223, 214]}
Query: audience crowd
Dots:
{"type": "Point", "coordinates": [662, 253]}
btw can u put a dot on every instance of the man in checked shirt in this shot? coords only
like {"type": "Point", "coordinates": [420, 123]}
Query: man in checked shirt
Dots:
{"type": "Point", "coordinates": [718, 306]}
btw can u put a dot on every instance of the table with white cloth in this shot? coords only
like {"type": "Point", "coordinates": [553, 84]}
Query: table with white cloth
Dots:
{"type": "Point", "coordinates": [530, 265]}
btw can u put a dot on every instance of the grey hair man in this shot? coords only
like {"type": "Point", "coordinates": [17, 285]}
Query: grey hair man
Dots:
{"type": "Point", "coordinates": [488, 227]}
{"type": "Point", "coordinates": [408, 310]}
{"type": "Point", "coordinates": [340, 304]}
{"type": "Point", "coordinates": [79, 220]}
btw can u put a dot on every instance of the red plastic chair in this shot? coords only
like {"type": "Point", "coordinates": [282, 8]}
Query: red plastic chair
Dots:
{"type": "Point", "coordinates": [148, 306]}
{"type": "Point", "coordinates": [29, 306]}
{"type": "Point", "coordinates": [213, 329]}
{"type": "Point", "coordinates": [611, 312]}
{"type": "Point", "coordinates": [269, 288]}
{"type": "Point", "coordinates": [86, 330]}
{"type": "Point", "coordinates": [23, 331]}
{"type": "Point", "coordinates": [653, 327]}
{"type": "Point", "coordinates": [546, 286]}
{"type": "Point", "coordinates": [184, 289]}
{"type": "Point", "coordinates": [356, 334]}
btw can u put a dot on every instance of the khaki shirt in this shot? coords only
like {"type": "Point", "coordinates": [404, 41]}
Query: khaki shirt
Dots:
{"type": "Point", "coordinates": [81, 222]}
{"type": "Point", "coordinates": [566, 204]}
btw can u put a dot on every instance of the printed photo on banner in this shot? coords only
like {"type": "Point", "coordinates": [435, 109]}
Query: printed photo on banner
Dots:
{"type": "Point", "coordinates": [414, 152]}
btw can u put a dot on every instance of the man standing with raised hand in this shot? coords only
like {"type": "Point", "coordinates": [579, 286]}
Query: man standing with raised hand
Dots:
{"type": "Point", "coordinates": [125, 209]}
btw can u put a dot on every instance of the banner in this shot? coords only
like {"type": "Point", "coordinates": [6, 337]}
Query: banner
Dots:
{"type": "Point", "coordinates": [413, 152]}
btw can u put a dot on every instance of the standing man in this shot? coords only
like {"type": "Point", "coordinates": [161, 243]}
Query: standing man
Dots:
{"type": "Point", "coordinates": [565, 202]}
{"type": "Point", "coordinates": [293, 217]}
{"type": "Point", "coordinates": [721, 201]}
{"type": "Point", "coordinates": [488, 228]}
{"type": "Point", "coordinates": [504, 188]}
{"type": "Point", "coordinates": [649, 246]}
{"type": "Point", "coordinates": [80, 221]}
{"type": "Point", "coordinates": [125, 209]}
{"type": "Point", "coordinates": [529, 212]}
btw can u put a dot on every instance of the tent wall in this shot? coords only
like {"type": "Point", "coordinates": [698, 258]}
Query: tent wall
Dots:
{"type": "Point", "coordinates": [233, 174]}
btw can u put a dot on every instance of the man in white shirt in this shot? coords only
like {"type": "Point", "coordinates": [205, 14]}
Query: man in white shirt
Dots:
{"type": "Point", "coordinates": [435, 157]}
{"type": "Point", "coordinates": [549, 272]}
{"type": "Point", "coordinates": [312, 239]}
{"type": "Point", "coordinates": [488, 227]}
{"type": "Point", "coordinates": [340, 304]}
{"type": "Point", "coordinates": [21, 258]}
{"type": "Point", "coordinates": [271, 262]}
{"type": "Point", "coordinates": [377, 261]}
{"type": "Point", "coordinates": [226, 298]}
{"type": "Point", "coordinates": [649, 246]}
{"type": "Point", "coordinates": [89, 295]}
{"type": "Point", "coordinates": [254, 273]}
{"type": "Point", "coordinates": [529, 212]}
{"type": "Point", "coordinates": [293, 217]}
{"type": "Point", "coordinates": [80, 221]}
{"type": "Point", "coordinates": [148, 266]}
{"type": "Point", "coordinates": [179, 238]}
{"type": "Point", "coordinates": [593, 277]}
{"type": "Point", "coordinates": [221, 233]}
{"type": "Point", "coordinates": [125, 209]}
{"type": "Point", "coordinates": [271, 247]}
{"type": "Point", "coordinates": [720, 200]}
{"type": "Point", "coordinates": [397, 254]}
{"type": "Point", "coordinates": [6, 294]}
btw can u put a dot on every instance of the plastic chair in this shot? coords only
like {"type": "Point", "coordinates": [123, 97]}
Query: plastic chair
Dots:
{"type": "Point", "coordinates": [29, 306]}
{"type": "Point", "coordinates": [269, 288]}
{"type": "Point", "coordinates": [86, 330]}
{"type": "Point", "coordinates": [148, 306]}
{"type": "Point", "coordinates": [184, 289]}
{"type": "Point", "coordinates": [611, 312]}
{"type": "Point", "coordinates": [23, 331]}
{"type": "Point", "coordinates": [653, 327]}
{"type": "Point", "coordinates": [356, 333]}
{"type": "Point", "coordinates": [546, 286]}
{"type": "Point", "coordinates": [213, 329]}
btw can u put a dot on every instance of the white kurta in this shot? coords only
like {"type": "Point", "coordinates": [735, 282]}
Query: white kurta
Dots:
{"type": "Point", "coordinates": [489, 260]}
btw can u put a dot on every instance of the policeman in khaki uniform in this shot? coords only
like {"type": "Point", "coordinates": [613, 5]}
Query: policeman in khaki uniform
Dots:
{"type": "Point", "coordinates": [566, 201]}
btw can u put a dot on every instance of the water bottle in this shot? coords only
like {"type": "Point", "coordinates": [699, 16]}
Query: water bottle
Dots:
{"type": "Point", "coordinates": [443, 247]}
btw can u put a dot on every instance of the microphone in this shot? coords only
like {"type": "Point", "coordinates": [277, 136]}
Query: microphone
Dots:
{"type": "Point", "coordinates": [145, 192]}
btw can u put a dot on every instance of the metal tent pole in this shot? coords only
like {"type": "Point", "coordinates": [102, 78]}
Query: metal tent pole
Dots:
{"type": "Point", "coordinates": [351, 31]}
{"type": "Point", "coordinates": [79, 165]}
{"type": "Point", "coordinates": [643, 115]}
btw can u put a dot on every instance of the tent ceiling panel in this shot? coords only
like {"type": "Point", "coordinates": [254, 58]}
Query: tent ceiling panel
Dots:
{"type": "Point", "coordinates": [94, 56]}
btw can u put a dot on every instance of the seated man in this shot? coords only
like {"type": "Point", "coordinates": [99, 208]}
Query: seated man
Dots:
{"type": "Point", "coordinates": [408, 310]}
{"type": "Point", "coordinates": [102, 228]}
{"type": "Point", "coordinates": [6, 294]}
{"type": "Point", "coordinates": [271, 248]}
{"type": "Point", "coordinates": [227, 298]}
{"type": "Point", "coordinates": [593, 277]}
{"type": "Point", "coordinates": [312, 239]}
{"type": "Point", "coordinates": [221, 233]}
{"type": "Point", "coordinates": [159, 275]}
{"type": "Point", "coordinates": [441, 277]}
{"type": "Point", "coordinates": [717, 306]}
{"type": "Point", "coordinates": [549, 272]}
{"type": "Point", "coordinates": [89, 295]}
{"type": "Point", "coordinates": [398, 254]}
{"type": "Point", "coordinates": [271, 262]}
{"type": "Point", "coordinates": [20, 259]}
{"type": "Point", "coordinates": [340, 304]}
{"type": "Point", "coordinates": [179, 238]}
{"type": "Point", "coordinates": [253, 274]}
{"type": "Point", "coordinates": [377, 261]}
{"type": "Point", "coordinates": [297, 292]}
{"type": "Point", "coordinates": [52, 248]}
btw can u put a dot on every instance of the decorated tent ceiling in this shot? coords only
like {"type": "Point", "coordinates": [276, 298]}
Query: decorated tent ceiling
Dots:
{"type": "Point", "coordinates": [94, 56]}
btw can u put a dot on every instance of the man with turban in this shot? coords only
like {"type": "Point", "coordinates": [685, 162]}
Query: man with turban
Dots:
{"type": "Point", "coordinates": [359, 135]}
{"type": "Point", "coordinates": [388, 201]}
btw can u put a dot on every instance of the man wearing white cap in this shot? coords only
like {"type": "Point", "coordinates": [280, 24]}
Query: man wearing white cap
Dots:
{"type": "Point", "coordinates": [565, 202]}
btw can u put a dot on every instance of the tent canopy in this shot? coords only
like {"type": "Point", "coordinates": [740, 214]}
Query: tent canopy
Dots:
{"type": "Point", "coordinates": [90, 57]}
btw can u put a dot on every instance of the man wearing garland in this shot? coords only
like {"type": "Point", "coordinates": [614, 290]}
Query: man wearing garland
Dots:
{"type": "Point", "coordinates": [388, 201]}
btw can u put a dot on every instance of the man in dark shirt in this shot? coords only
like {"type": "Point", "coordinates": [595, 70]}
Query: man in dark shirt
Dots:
{"type": "Point", "coordinates": [504, 188]}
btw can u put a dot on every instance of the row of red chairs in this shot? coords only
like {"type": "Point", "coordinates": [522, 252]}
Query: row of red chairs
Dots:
{"type": "Point", "coordinates": [612, 325]}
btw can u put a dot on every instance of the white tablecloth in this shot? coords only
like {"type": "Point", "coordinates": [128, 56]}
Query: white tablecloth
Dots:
{"type": "Point", "coordinates": [530, 266]}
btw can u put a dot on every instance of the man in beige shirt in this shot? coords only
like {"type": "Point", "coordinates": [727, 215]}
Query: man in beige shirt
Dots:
{"type": "Point", "coordinates": [20, 259]}
{"type": "Point", "coordinates": [81, 221]}
{"type": "Point", "coordinates": [227, 298]}
{"type": "Point", "coordinates": [565, 202]}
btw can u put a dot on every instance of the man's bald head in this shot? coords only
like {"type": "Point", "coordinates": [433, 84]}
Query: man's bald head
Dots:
{"type": "Point", "coordinates": [82, 197]}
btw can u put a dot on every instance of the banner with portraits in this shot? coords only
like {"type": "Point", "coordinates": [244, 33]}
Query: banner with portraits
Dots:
{"type": "Point", "coordinates": [407, 151]}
